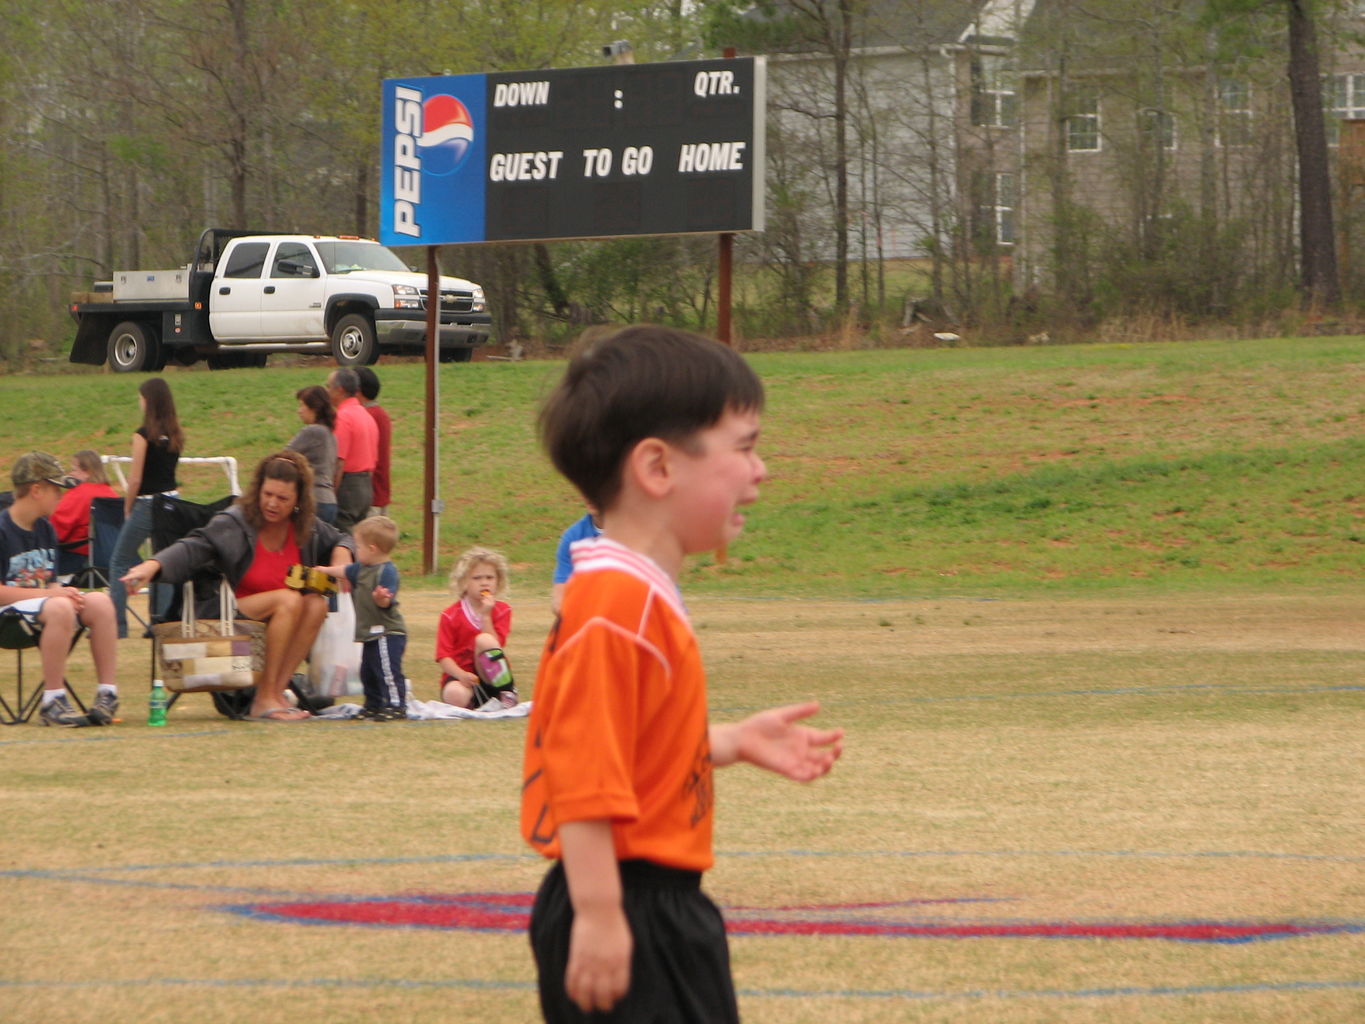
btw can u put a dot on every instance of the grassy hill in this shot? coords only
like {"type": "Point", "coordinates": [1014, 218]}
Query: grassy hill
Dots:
{"type": "Point", "coordinates": [1202, 465]}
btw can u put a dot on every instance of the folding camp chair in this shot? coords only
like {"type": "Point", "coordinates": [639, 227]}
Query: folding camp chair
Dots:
{"type": "Point", "coordinates": [72, 564]}
{"type": "Point", "coordinates": [106, 522]}
{"type": "Point", "coordinates": [173, 518]}
{"type": "Point", "coordinates": [17, 634]}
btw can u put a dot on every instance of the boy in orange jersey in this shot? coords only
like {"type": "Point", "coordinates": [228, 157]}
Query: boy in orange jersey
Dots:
{"type": "Point", "coordinates": [658, 429]}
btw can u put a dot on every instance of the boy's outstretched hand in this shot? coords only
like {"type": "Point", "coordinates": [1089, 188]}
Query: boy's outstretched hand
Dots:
{"type": "Point", "coordinates": [775, 739]}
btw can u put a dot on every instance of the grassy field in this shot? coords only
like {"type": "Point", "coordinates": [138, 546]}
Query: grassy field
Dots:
{"type": "Point", "coordinates": [1089, 616]}
{"type": "Point", "coordinates": [893, 472]}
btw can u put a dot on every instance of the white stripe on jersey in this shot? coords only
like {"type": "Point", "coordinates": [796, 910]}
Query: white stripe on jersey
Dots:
{"type": "Point", "coordinates": [594, 554]}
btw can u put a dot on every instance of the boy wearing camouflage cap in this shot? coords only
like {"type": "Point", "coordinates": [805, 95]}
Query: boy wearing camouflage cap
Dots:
{"type": "Point", "coordinates": [29, 589]}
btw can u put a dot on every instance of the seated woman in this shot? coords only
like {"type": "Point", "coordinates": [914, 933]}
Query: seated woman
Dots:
{"type": "Point", "coordinates": [71, 519]}
{"type": "Point", "coordinates": [253, 543]}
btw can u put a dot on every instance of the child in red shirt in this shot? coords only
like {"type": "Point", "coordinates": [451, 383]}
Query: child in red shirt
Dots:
{"type": "Point", "coordinates": [658, 429]}
{"type": "Point", "coordinates": [473, 631]}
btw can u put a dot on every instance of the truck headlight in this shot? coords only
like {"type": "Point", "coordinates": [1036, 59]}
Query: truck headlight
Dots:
{"type": "Point", "coordinates": [405, 296]}
{"type": "Point", "coordinates": [477, 302]}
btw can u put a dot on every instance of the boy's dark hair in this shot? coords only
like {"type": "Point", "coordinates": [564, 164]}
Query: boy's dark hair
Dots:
{"type": "Point", "coordinates": [369, 383]}
{"type": "Point", "coordinates": [639, 382]}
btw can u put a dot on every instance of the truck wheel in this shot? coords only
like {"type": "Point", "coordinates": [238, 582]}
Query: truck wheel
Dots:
{"type": "Point", "coordinates": [353, 341]}
{"type": "Point", "coordinates": [133, 347]}
{"type": "Point", "coordinates": [456, 355]}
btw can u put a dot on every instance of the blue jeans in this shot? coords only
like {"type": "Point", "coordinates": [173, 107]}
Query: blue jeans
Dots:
{"type": "Point", "coordinates": [327, 512]}
{"type": "Point", "coordinates": [137, 528]}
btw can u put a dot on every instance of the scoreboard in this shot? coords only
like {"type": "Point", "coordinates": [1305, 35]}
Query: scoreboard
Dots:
{"type": "Point", "coordinates": [634, 149]}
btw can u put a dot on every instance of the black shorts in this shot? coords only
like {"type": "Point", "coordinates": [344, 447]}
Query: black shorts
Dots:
{"type": "Point", "coordinates": [680, 967]}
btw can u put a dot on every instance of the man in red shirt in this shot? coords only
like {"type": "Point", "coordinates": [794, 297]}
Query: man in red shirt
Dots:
{"type": "Point", "coordinates": [357, 449]}
{"type": "Point", "coordinates": [369, 392]}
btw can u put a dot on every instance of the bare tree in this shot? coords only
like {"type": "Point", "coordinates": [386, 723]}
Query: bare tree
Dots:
{"type": "Point", "coordinates": [1317, 239]}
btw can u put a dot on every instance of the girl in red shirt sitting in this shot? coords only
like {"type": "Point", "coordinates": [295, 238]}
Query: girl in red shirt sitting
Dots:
{"type": "Point", "coordinates": [71, 520]}
{"type": "Point", "coordinates": [472, 633]}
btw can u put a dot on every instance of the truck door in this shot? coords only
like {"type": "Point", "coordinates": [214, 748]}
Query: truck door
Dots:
{"type": "Point", "coordinates": [236, 292]}
{"type": "Point", "coordinates": [291, 303]}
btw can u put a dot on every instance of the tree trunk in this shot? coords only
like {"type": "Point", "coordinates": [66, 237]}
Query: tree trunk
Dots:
{"type": "Point", "coordinates": [549, 280]}
{"type": "Point", "coordinates": [362, 198]}
{"type": "Point", "coordinates": [842, 45]}
{"type": "Point", "coordinates": [1317, 241]}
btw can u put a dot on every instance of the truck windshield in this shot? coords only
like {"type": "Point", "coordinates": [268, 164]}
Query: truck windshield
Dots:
{"type": "Point", "coordinates": [344, 257]}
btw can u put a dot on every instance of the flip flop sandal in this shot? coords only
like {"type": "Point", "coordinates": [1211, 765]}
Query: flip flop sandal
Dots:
{"type": "Point", "coordinates": [280, 715]}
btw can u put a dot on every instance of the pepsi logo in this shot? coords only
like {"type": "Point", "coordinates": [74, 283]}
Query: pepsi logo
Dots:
{"type": "Point", "coordinates": [447, 134]}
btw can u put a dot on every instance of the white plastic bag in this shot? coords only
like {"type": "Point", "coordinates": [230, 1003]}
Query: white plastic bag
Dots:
{"type": "Point", "coordinates": [334, 666]}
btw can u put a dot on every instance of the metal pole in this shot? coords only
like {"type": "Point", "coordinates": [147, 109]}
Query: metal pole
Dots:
{"type": "Point", "coordinates": [429, 488]}
{"type": "Point", "coordinates": [724, 268]}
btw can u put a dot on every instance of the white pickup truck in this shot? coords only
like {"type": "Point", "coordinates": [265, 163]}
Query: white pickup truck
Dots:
{"type": "Point", "coordinates": [247, 294]}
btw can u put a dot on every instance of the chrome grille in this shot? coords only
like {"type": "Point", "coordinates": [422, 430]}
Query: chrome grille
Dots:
{"type": "Point", "coordinates": [452, 301]}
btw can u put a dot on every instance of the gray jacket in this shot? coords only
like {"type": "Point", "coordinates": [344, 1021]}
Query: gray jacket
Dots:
{"type": "Point", "coordinates": [227, 542]}
{"type": "Point", "coordinates": [318, 445]}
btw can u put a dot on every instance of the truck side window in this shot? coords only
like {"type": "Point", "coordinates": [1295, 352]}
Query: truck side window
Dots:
{"type": "Point", "coordinates": [293, 260]}
{"type": "Point", "coordinates": [247, 260]}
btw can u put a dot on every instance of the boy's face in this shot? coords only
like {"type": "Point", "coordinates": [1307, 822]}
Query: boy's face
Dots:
{"type": "Point", "coordinates": [49, 496]}
{"type": "Point", "coordinates": [718, 473]}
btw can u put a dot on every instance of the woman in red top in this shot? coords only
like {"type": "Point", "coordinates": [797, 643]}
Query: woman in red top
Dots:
{"type": "Point", "coordinates": [254, 542]}
{"type": "Point", "coordinates": [71, 520]}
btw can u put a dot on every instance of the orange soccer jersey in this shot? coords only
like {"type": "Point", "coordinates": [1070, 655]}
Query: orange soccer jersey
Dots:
{"type": "Point", "coordinates": [618, 728]}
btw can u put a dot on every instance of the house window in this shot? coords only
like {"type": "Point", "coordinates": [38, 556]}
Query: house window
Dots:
{"type": "Point", "coordinates": [1347, 100]}
{"type": "Point", "coordinates": [1005, 199]}
{"type": "Point", "coordinates": [1083, 120]}
{"type": "Point", "coordinates": [995, 195]}
{"type": "Point", "coordinates": [1157, 128]}
{"type": "Point", "coordinates": [1234, 111]}
{"type": "Point", "coordinates": [993, 96]}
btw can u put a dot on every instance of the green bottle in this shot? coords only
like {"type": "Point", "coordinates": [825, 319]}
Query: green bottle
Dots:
{"type": "Point", "coordinates": [156, 705]}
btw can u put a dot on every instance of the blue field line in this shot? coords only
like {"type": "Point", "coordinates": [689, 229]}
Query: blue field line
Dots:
{"type": "Point", "coordinates": [1154, 854]}
{"type": "Point", "coordinates": [309, 862]}
{"type": "Point", "coordinates": [91, 878]}
{"type": "Point", "coordinates": [101, 874]}
{"type": "Point", "coordinates": [473, 983]}
{"type": "Point", "coordinates": [107, 733]}
{"type": "Point", "coordinates": [484, 984]}
{"type": "Point", "coordinates": [1118, 691]}
{"type": "Point", "coordinates": [1127, 991]}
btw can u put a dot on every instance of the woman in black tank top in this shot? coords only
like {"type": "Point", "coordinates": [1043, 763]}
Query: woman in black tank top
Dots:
{"type": "Point", "coordinates": [157, 444]}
